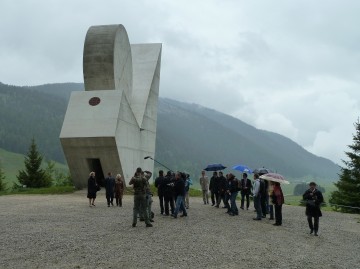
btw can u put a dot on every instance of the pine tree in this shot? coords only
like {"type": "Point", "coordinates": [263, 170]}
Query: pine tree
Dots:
{"type": "Point", "coordinates": [2, 180]}
{"type": "Point", "coordinates": [348, 193]}
{"type": "Point", "coordinates": [33, 176]}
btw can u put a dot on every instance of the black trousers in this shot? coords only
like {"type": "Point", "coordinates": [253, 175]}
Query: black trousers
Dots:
{"type": "Point", "coordinates": [243, 196]}
{"type": "Point", "coordinates": [315, 226]}
{"type": "Point", "coordinates": [212, 197]}
{"type": "Point", "coordinates": [169, 200]}
{"type": "Point", "coordinates": [278, 214]}
{"type": "Point", "coordinates": [110, 198]}
{"type": "Point", "coordinates": [263, 205]}
{"type": "Point", "coordinates": [161, 200]}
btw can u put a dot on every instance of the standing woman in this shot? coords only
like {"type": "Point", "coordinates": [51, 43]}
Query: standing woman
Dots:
{"type": "Point", "coordinates": [92, 189]}
{"type": "Point", "coordinates": [119, 190]}
{"type": "Point", "coordinates": [278, 200]}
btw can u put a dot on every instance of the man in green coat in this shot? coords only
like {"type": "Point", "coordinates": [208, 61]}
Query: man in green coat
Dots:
{"type": "Point", "coordinates": [139, 183]}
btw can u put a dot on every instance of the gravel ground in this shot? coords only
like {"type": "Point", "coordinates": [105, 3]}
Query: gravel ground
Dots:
{"type": "Point", "coordinates": [62, 231]}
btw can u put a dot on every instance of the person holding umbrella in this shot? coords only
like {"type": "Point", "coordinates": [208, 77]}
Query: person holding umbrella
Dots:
{"type": "Point", "coordinates": [277, 198]}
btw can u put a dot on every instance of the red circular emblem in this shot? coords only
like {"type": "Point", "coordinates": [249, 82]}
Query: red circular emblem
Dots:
{"type": "Point", "coordinates": [94, 101]}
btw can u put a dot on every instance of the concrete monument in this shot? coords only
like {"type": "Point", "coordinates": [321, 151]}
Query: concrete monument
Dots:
{"type": "Point", "coordinates": [112, 125]}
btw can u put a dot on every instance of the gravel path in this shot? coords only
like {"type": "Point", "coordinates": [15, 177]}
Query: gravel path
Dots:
{"type": "Point", "coordinates": [62, 231]}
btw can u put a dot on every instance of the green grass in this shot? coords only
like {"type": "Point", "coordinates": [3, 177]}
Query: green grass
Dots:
{"type": "Point", "coordinates": [11, 163]}
{"type": "Point", "coordinates": [50, 190]}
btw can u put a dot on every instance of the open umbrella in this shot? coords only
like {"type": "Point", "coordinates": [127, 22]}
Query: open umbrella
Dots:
{"type": "Point", "coordinates": [215, 167]}
{"type": "Point", "coordinates": [275, 178]}
{"type": "Point", "coordinates": [242, 168]}
{"type": "Point", "coordinates": [261, 171]}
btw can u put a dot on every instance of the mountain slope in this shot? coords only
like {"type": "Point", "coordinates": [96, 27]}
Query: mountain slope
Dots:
{"type": "Point", "coordinates": [211, 137]}
{"type": "Point", "coordinates": [188, 136]}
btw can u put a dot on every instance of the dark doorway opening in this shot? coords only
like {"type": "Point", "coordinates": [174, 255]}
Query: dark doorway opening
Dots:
{"type": "Point", "coordinates": [95, 165]}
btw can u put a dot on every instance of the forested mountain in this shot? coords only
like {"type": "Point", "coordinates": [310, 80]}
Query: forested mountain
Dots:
{"type": "Point", "coordinates": [188, 136]}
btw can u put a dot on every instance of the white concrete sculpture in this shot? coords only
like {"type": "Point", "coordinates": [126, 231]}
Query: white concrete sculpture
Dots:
{"type": "Point", "coordinates": [111, 126]}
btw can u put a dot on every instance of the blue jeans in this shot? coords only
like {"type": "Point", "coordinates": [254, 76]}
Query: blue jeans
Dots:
{"type": "Point", "coordinates": [233, 207]}
{"type": "Point", "coordinates": [180, 205]}
{"type": "Point", "coordinates": [257, 204]}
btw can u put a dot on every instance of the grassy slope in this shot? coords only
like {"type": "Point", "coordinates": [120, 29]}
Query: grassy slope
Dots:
{"type": "Point", "coordinates": [11, 163]}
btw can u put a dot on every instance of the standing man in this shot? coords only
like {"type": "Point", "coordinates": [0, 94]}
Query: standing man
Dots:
{"type": "Point", "coordinates": [188, 183]}
{"type": "Point", "coordinates": [212, 188]}
{"type": "Point", "coordinates": [257, 197]}
{"type": "Point", "coordinates": [232, 190]}
{"type": "Point", "coordinates": [222, 189]}
{"type": "Point", "coordinates": [148, 196]}
{"type": "Point", "coordinates": [313, 198]}
{"type": "Point", "coordinates": [139, 184]}
{"type": "Point", "coordinates": [246, 187]}
{"type": "Point", "coordinates": [169, 193]}
{"type": "Point", "coordinates": [110, 189]}
{"type": "Point", "coordinates": [204, 183]}
{"type": "Point", "coordinates": [179, 191]}
{"type": "Point", "coordinates": [159, 184]}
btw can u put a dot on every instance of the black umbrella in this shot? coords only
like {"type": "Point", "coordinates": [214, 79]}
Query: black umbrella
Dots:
{"type": "Point", "coordinates": [261, 171]}
{"type": "Point", "coordinates": [215, 167]}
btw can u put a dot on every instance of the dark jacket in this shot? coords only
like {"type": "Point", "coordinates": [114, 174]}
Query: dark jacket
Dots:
{"type": "Point", "coordinates": [222, 184]}
{"type": "Point", "coordinates": [92, 188]}
{"type": "Point", "coordinates": [110, 185]}
{"type": "Point", "coordinates": [159, 184]}
{"type": "Point", "coordinates": [179, 187]}
{"type": "Point", "coordinates": [168, 186]}
{"type": "Point", "coordinates": [213, 183]}
{"type": "Point", "coordinates": [232, 185]}
{"type": "Point", "coordinates": [246, 186]}
{"type": "Point", "coordinates": [313, 202]}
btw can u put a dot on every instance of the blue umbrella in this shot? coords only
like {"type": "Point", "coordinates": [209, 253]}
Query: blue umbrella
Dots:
{"type": "Point", "coordinates": [215, 167]}
{"type": "Point", "coordinates": [242, 168]}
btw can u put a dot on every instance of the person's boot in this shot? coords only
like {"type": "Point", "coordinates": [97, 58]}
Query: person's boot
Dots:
{"type": "Point", "coordinates": [149, 225]}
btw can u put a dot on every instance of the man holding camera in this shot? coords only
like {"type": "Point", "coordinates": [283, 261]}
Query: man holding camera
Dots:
{"type": "Point", "coordinates": [139, 183]}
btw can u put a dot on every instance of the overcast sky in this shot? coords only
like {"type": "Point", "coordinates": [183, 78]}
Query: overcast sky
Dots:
{"type": "Point", "coordinates": [291, 67]}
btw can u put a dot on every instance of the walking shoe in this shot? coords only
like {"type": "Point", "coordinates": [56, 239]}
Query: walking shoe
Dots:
{"type": "Point", "coordinates": [183, 215]}
{"type": "Point", "coordinates": [134, 225]}
{"type": "Point", "coordinates": [256, 219]}
{"type": "Point", "coordinates": [277, 224]}
{"type": "Point", "coordinates": [271, 218]}
{"type": "Point", "coordinates": [151, 220]}
{"type": "Point", "coordinates": [242, 208]}
{"type": "Point", "coordinates": [217, 206]}
{"type": "Point", "coordinates": [108, 205]}
{"type": "Point", "coordinates": [174, 216]}
{"type": "Point", "coordinates": [311, 231]}
{"type": "Point", "coordinates": [149, 225]}
{"type": "Point", "coordinates": [316, 234]}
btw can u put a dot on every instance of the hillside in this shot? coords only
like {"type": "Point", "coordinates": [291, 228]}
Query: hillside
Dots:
{"type": "Point", "coordinates": [188, 136]}
{"type": "Point", "coordinates": [11, 163]}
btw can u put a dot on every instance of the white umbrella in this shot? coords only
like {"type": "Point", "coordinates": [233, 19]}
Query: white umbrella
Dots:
{"type": "Point", "coordinates": [275, 178]}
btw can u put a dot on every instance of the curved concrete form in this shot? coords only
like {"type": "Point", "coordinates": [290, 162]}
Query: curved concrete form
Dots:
{"type": "Point", "coordinates": [111, 126]}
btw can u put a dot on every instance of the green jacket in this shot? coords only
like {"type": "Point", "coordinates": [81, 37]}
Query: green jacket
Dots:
{"type": "Point", "coordinates": [139, 183]}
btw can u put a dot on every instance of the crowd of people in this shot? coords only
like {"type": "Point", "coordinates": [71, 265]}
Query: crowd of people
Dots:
{"type": "Point", "coordinates": [173, 192]}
